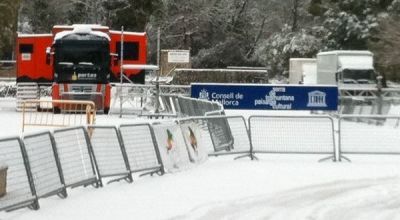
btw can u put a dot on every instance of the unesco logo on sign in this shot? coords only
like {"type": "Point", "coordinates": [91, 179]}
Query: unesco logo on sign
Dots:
{"type": "Point", "coordinates": [316, 99]}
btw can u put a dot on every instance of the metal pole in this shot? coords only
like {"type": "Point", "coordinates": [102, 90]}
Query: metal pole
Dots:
{"type": "Point", "coordinates": [380, 99]}
{"type": "Point", "coordinates": [121, 71]}
{"type": "Point", "coordinates": [158, 47]}
{"type": "Point", "coordinates": [158, 72]}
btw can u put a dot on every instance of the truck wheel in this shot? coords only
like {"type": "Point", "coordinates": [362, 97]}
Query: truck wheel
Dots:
{"type": "Point", "coordinates": [106, 110]}
{"type": "Point", "coordinates": [56, 110]}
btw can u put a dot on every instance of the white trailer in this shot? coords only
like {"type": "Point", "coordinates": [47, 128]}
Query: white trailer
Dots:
{"type": "Point", "coordinates": [302, 71]}
{"type": "Point", "coordinates": [345, 67]}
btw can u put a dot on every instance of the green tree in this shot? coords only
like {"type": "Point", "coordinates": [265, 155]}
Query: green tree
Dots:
{"type": "Point", "coordinates": [77, 13]}
{"type": "Point", "coordinates": [8, 27]}
{"type": "Point", "coordinates": [134, 15]}
{"type": "Point", "coordinates": [281, 46]}
{"type": "Point", "coordinates": [219, 33]}
{"type": "Point", "coordinates": [349, 24]}
{"type": "Point", "coordinates": [42, 17]}
{"type": "Point", "coordinates": [384, 43]}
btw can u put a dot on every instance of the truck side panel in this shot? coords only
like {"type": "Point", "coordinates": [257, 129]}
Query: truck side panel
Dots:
{"type": "Point", "coordinates": [326, 69]}
{"type": "Point", "coordinates": [135, 52]}
{"type": "Point", "coordinates": [297, 72]}
{"type": "Point", "coordinates": [31, 59]}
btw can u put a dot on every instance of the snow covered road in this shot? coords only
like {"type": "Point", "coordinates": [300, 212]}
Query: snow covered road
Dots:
{"type": "Point", "coordinates": [275, 187]}
{"type": "Point", "coordinates": [350, 199]}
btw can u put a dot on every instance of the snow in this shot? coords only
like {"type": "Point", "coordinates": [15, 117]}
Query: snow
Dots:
{"type": "Point", "coordinates": [222, 70]}
{"type": "Point", "coordinates": [81, 29]}
{"type": "Point", "coordinates": [34, 35]}
{"type": "Point", "coordinates": [356, 62]}
{"type": "Point", "coordinates": [139, 66]}
{"type": "Point", "coordinates": [3, 166]}
{"type": "Point", "coordinates": [274, 187]}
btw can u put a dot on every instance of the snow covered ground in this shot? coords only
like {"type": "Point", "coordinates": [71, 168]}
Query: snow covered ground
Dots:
{"type": "Point", "coordinates": [271, 188]}
{"type": "Point", "coordinates": [274, 187]}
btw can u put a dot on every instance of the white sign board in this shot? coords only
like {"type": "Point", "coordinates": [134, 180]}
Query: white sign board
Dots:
{"type": "Point", "coordinates": [179, 56]}
{"type": "Point", "coordinates": [26, 56]}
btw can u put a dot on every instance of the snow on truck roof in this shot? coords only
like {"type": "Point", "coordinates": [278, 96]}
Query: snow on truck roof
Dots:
{"type": "Point", "coordinates": [93, 26]}
{"type": "Point", "coordinates": [304, 59]}
{"type": "Point", "coordinates": [82, 29]}
{"type": "Point", "coordinates": [34, 35]}
{"type": "Point", "coordinates": [346, 52]}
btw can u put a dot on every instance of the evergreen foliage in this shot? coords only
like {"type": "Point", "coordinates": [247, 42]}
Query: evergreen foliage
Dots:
{"type": "Point", "coordinates": [223, 33]}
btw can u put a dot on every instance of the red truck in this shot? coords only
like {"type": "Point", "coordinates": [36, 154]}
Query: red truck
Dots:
{"type": "Point", "coordinates": [80, 61]}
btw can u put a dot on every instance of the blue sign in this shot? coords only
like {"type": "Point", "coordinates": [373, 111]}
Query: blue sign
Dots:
{"type": "Point", "coordinates": [268, 97]}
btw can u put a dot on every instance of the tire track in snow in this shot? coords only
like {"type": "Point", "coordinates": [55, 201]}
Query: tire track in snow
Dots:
{"type": "Point", "coordinates": [351, 199]}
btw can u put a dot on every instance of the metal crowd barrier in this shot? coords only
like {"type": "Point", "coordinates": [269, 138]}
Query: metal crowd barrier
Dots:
{"type": "Point", "coordinates": [238, 128]}
{"type": "Point", "coordinates": [72, 113]}
{"type": "Point", "coordinates": [292, 135]}
{"type": "Point", "coordinates": [45, 165]}
{"type": "Point", "coordinates": [199, 127]}
{"type": "Point", "coordinates": [220, 133]}
{"type": "Point", "coordinates": [368, 134]}
{"type": "Point", "coordinates": [224, 134]}
{"type": "Point", "coordinates": [76, 158]}
{"type": "Point", "coordinates": [137, 95]}
{"type": "Point", "coordinates": [20, 189]}
{"type": "Point", "coordinates": [109, 152]}
{"type": "Point", "coordinates": [171, 145]}
{"type": "Point", "coordinates": [180, 106]}
{"type": "Point", "coordinates": [141, 148]}
{"type": "Point", "coordinates": [189, 107]}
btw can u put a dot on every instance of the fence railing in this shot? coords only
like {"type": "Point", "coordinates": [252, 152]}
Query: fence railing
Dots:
{"type": "Point", "coordinates": [75, 154]}
{"type": "Point", "coordinates": [7, 88]}
{"type": "Point", "coordinates": [221, 135]}
{"type": "Point", "coordinates": [292, 134]}
{"type": "Point", "coordinates": [68, 113]}
{"type": "Point", "coordinates": [141, 148]}
{"type": "Point", "coordinates": [109, 152]}
{"type": "Point", "coordinates": [139, 98]}
{"type": "Point", "coordinates": [45, 167]}
{"type": "Point", "coordinates": [47, 163]}
{"type": "Point", "coordinates": [367, 100]}
{"type": "Point", "coordinates": [20, 189]}
{"type": "Point", "coordinates": [368, 134]}
{"type": "Point", "coordinates": [188, 107]}
{"type": "Point", "coordinates": [173, 101]}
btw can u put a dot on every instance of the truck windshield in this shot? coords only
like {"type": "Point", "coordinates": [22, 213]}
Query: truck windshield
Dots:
{"type": "Point", "coordinates": [82, 61]}
{"type": "Point", "coordinates": [359, 76]}
{"type": "Point", "coordinates": [81, 55]}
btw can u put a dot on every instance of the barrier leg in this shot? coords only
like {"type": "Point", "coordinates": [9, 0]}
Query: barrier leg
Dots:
{"type": "Point", "coordinates": [345, 158]}
{"type": "Point", "coordinates": [327, 158]}
{"type": "Point", "coordinates": [251, 155]}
